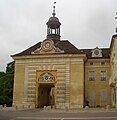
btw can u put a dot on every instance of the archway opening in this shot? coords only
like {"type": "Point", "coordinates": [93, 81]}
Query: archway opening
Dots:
{"type": "Point", "coordinates": [46, 95]}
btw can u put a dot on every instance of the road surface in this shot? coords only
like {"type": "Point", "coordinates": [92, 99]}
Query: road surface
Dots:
{"type": "Point", "coordinates": [42, 115]}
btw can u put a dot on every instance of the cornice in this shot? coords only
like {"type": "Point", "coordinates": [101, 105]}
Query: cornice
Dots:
{"type": "Point", "coordinates": [83, 56]}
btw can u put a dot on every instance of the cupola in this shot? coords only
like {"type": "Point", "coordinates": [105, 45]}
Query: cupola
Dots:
{"type": "Point", "coordinates": [53, 27]}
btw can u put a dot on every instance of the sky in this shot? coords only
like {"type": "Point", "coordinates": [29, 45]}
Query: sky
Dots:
{"type": "Point", "coordinates": [85, 23]}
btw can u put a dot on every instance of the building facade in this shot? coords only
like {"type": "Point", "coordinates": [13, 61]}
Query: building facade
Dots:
{"type": "Point", "coordinates": [56, 73]}
{"type": "Point", "coordinates": [113, 62]}
{"type": "Point", "coordinates": [97, 74]}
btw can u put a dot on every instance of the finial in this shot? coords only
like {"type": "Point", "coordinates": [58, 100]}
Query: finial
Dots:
{"type": "Point", "coordinates": [54, 9]}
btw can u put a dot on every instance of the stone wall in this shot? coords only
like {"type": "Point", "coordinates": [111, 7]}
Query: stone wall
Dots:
{"type": "Point", "coordinates": [70, 79]}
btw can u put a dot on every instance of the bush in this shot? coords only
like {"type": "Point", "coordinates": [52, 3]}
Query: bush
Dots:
{"type": "Point", "coordinates": [5, 100]}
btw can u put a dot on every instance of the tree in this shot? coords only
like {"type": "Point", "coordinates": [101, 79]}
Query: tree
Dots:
{"type": "Point", "coordinates": [6, 85]}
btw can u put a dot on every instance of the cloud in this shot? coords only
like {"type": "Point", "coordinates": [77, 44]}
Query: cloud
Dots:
{"type": "Point", "coordinates": [23, 23]}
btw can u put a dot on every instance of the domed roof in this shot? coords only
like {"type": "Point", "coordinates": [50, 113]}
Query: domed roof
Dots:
{"type": "Point", "coordinates": [53, 22]}
{"type": "Point", "coordinates": [53, 19]}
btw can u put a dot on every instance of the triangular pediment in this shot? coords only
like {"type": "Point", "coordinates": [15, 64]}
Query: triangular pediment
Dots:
{"type": "Point", "coordinates": [47, 47]}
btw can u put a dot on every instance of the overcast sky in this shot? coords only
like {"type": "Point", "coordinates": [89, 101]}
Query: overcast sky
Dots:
{"type": "Point", "coordinates": [85, 23]}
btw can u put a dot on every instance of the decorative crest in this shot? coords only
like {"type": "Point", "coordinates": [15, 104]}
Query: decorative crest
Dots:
{"type": "Point", "coordinates": [54, 9]}
{"type": "Point", "coordinates": [47, 47]}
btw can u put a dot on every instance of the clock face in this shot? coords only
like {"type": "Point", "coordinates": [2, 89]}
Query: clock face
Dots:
{"type": "Point", "coordinates": [96, 52]}
{"type": "Point", "coordinates": [47, 45]}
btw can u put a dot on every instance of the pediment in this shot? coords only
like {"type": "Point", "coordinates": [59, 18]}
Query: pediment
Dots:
{"type": "Point", "coordinates": [96, 52]}
{"type": "Point", "coordinates": [47, 47]}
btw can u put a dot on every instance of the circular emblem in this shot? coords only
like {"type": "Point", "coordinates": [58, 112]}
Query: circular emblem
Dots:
{"type": "Point", "coordinates": [96, 52]}
{"type": "Point", "coordinates": [47, 45]}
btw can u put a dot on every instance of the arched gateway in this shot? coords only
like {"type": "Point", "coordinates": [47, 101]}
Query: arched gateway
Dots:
{"type": "Point", "coordinates": [45, 88]}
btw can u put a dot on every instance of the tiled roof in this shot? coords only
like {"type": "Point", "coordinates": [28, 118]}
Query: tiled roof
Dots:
{"type": "Point", "coordinates": [68, 49]}
{"type": "Point", "coordinates": [105, 53]}
{"type": "Point", "coordinates": [63, 45]}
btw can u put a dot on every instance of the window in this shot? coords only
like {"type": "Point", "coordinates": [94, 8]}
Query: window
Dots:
{"type": "Point", "coordinates": [46, 77]}
{"type": "Point", "coordinates": [92, 97]}
{"type": "Point", "coordinates": [103, 75]}
{"type": "Point", "coordinates": [91, 63]}
{"type": "Point", "coordinates": [91, 75]}
{"type": "Point", "coordinates": [103, 95]}
{"type": "Point", "coordinates": [102, 63]}
{"type": "Point", "coordinates": [114, 96]}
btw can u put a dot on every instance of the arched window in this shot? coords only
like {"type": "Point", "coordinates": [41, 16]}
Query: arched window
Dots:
{"type": "Point", "coordinates": [46, 77]}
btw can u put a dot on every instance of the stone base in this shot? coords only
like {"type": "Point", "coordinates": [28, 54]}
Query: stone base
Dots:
{"type": "Point", "coordinates": [76, 106]}
{"type": "Point", "coordinates": [60, 106]}
{"type": "Point", "coordinates": [23, 106]}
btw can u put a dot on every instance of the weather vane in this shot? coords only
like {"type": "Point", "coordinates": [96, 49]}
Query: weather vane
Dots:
{"type": "Point", "coordinates": [54, 8]}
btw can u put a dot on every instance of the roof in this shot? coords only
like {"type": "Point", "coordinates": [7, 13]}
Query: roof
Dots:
{"type": "Point", "coordinates": [68, 49]}
{"type": "Point", "coordinates": [105, 53]}
{"type": "Point", "coordinates": [63, 45]}
{"type": "Point", "coordinates": [53, 19]}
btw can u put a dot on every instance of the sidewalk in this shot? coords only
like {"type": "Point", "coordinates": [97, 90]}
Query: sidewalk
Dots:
{"type": "Point", "coordinates": [49, 110]}
{"type": "Point", "coordinates": [93, 110]}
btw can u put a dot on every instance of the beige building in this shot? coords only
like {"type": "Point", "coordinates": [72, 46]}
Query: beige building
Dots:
{"type": "Point", "coordinates": [55, 72]}
{"type": "Point", "coordinates": [97, 74]}
{"type": "Point", "coordinates": [113, 62]}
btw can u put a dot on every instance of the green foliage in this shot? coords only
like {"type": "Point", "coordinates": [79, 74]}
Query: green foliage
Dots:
{"type": "Point", "coordinates": [2, 74]}
{"type": "Point", "coordinates": [5, 100]}
{"type": "Point", "coordinates": [6, 86]}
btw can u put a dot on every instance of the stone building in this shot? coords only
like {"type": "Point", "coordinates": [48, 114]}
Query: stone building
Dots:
{"type": "Point", "coordinates": [55, 72]}
{"type": "Point", "coordinates": [113, 63]}
{"type": "Point", "coordinates": [97, 74]}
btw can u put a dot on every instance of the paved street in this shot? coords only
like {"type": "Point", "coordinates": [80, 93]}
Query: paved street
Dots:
{"type": "Point", "coordinates": [77, 118]}
{"type": "Point", "coordinates": [72, 118]}
{"type": "Point", "coordinates": [37, 114]}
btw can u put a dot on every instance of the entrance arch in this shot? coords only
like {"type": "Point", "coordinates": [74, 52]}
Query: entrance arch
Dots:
{"type": "Point", "coordinates": [46, 95]}
{"type": "Point", "coordinates": [45, 89]}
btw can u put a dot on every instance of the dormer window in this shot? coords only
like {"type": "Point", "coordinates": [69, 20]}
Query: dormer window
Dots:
{"type": "Point", "coordinates": [96, 52]}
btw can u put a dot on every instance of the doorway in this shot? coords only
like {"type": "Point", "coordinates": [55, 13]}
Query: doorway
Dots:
{"type": "Point", "coordinates": [46, 95]}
